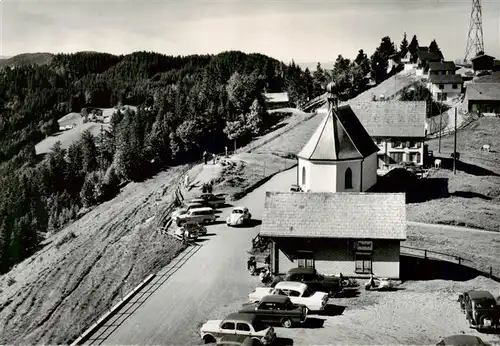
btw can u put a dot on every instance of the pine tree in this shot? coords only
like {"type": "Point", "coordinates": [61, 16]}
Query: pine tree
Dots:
{"type": "Point", "coordinates": [434, 49]}
{"type": "Point", "coordinates": [403, 47]}
{"type": "Point", "coordinates": [89, 152]}
{"type": "Point", "coordinates": [413, 47]}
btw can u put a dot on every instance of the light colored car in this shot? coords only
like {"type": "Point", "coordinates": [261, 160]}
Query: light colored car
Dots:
{"type": "Point", "coordinates": [199, 215]}
{"type": "Point", "coordinates": [187, 207]}
{"type": "Point", "coordinates": [237, 324]}
{"type": "Point", "coordinates": [183, 233]}
{"type": "Point", "coordinates": [239, 216]}
{"type": "Point", "coordinates": [298, 292]}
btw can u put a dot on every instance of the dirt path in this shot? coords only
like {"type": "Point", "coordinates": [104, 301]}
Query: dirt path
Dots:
{"type": "Point", "coordinates": [203, 288]}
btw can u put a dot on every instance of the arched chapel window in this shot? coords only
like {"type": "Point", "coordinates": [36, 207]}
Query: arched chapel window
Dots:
{"type": "Point", "coordinates": [348, 178]}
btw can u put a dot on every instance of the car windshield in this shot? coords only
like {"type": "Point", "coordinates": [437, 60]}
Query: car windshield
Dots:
{"type": "Point", "coordinates": [237, 211]}
{"type": "Point", "coordinates": [486, 304]}
{"type": "Point", "coordinates": [308, 293]}
{"type": "Point", "coordinates": [258, 326]}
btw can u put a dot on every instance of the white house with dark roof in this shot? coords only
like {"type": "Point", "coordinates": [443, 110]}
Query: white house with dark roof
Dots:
{"type": "Point", "coordinates": [445, 87]}
{"type": "Point", "coordinates": [440, 68]}
{"type": "Point", "coordinates": [340, 156]}
{"type": "Point", "coordinates": [398, 128]}
{"type": "Point", "coordinates": [350, 233]}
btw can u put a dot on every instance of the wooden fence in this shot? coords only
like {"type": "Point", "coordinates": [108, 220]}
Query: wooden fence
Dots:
{"type": "Point", "coordinates": [430, 254]}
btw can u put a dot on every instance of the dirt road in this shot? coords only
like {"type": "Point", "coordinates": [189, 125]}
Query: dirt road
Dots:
{"type": "Point", "coordinates": [213, 278]}
{"type": "Point", "coordinates": [212, 283]}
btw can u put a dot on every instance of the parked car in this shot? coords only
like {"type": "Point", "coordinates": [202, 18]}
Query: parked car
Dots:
{"type": "Point", "coordinates": [481, 309]}
{"type": "Point", "coordinates": [187, 207]}
{"type": "Point", "coordinates": [238, 324]}
{"type": "Point", "coordinates": [188, 234]}
{"type": "Point", "coordinates": [315, 281]}
{"type": "Point", "coordinates": [295, 188]}
{"type": "Point", "coordinates": [461, 340]}
{"type": "Point", "coordinates": [298, 293]}
{"type": "Point", "coordinates": [235, 340]}
{"type": "Point", "coordinates": [195, 226]}
{"type": "Point", "coordinates": [211, 200]}
{"type": "Point", "coordinates": [239, 216]}
{"type": "Point", "coordinates": [276, 309]}
{"type": "Point", "coordinates": [199, 215]}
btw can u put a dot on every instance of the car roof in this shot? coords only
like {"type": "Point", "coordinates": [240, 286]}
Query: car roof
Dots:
{"type": "Point", "coordinates": [291, 285]}
{"type": "Point", "coordinates": [274, 298]}
{"type": "Point", "coordinates": [301, 271]}
{"type": "Point", "coordinates": [480, 295]}
{"type": "Point", "coordinates": [241, 317]}
{"type": "Point", "coordinates": [461, 340]}
{"type": "Point", "coordinates": [202, 209]}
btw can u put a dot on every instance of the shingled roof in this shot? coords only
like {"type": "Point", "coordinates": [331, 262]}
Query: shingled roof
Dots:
{"type": "Point", "coordinates": [340, 136]}
{"type": "Point", "coordinates": [442, 66]}
{"type": "Point", "coordinates": [446, 79]}
{"type": "Point", "coordinates": [392, 118]}
{"type": "Point", "coordinates": [427, 56]}
{"type": "Point", "coordinates": [334, 215]}
{"type": "Point", "coordinates": [483, 91]}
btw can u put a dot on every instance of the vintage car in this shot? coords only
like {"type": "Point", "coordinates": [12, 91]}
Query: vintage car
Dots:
{"type": "Point", "coordinates": [238, 324]}
{"type": "Point", "coordinates": [298, 293]}
{"type": "Point", "coordinates": [481, 309]}
{"type": "Point", "coordinates": [195, 226]}
{"type": "Point", "coordinates": [461, 340]}
{"type": "Point", "coordinates": [187, 207]}
{"type": "Point", "coordinates": [275, 309]}
{"type": "Point", "coordinates": [186, 234]}
{"type": "Point", "coordinates": [210, 200]}
{"type": "Point", "coordinates": [199, 215]}
{"type": "Point", "coordinates": [295, 188]}
{"type": "Point", "coordinates": [315, 281]}
{"type": "Point", "coordinates": [239, 216]}
{"type": "Point", "coordinates": [235, 340]}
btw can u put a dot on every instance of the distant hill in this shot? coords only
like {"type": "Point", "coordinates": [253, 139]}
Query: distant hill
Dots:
{"type": "Point", "coordinates": [312, 65]}
{"type": "Point", "coordinates": [27, 59]}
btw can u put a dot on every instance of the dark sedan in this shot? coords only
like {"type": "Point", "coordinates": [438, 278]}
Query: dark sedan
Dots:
{"type": "Point", "coordinates": [277, 309]}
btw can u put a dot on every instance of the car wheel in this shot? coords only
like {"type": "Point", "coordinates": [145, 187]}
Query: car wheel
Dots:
{"type": "Point", "coordinates": [332, 294]}
{"type": "Point", "coordinates": [256, 342]}
{"type": "Point", "coordinates": [209, 339]}
{"type": "Point", "coordinates": [286, 322]}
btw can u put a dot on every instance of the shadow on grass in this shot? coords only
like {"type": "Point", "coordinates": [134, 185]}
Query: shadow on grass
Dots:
{"type": "Point", "coordinates": [283, 342]}
{"type": "Point", "coordinates": [332, 310]}
{"type": "Point", "coordinates": [417, 190]}
{"type": "Point", "coordinates": [417, 268]}
{"type": "Point", "coordinates": [313, 323]}
{"type": "Point", "coordinates": [447, 163]}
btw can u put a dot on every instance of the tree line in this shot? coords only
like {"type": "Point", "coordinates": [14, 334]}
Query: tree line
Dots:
{"type": "Point", "coordinates": [185, 105]}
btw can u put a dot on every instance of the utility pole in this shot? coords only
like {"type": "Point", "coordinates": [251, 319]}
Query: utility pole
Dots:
{"type": "Point", "coordinates": [455, 145]}
{"type": "Point", "coordinates": [440, 130]}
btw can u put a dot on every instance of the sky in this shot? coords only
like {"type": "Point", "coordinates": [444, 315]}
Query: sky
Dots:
{"type": "Point", "coordinates": [305, 31]}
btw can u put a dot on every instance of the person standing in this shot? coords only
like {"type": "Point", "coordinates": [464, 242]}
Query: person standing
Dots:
{"type": "Point", "coordinates": [226, 151]}
{"type": "Point", "coordinates": [205, 157]}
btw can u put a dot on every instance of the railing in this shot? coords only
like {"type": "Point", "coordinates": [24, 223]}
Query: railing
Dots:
{"type": "Point", "coordinates": [430, 254]}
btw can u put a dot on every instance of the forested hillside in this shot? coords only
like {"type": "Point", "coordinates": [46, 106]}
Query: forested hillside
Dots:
{"type": "Point", "coordinates": [185, 105]}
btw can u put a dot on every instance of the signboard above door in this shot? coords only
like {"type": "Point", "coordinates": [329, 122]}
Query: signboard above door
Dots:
{"type": "Point", "coordinates": [363, 245]}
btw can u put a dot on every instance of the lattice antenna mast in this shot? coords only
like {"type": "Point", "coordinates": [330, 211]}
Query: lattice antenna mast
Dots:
{"type": "Point", "coordinates": [475, 42]}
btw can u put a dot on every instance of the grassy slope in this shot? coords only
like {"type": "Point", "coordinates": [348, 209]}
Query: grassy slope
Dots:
{"type": "Point", "coordinates": [57, 293]}
{"type": "Point", "coordinates": [52, 296]}
{"type": "Point", "coordinates": [27, 59]}
{"type": "Point", "coordinates": [69, 136]}
{"type": "Point", "coordinates": [475, 189]}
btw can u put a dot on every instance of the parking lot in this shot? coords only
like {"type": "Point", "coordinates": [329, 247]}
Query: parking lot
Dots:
{"type": "Point", "coordinates": [419, 313]}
